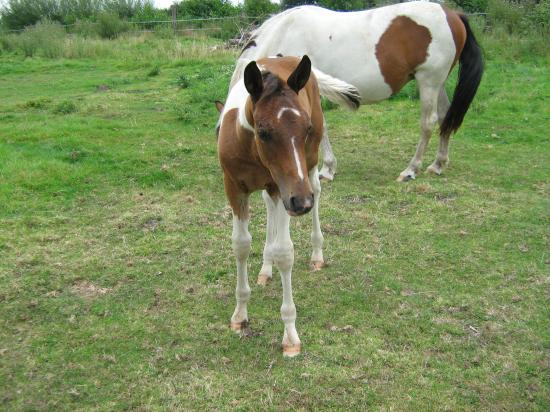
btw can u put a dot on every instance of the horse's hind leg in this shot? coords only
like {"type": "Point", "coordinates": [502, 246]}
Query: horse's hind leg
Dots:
{"type": "Point", "coordinates": [329, 161]}
{"type": "Point", "coordinates": [317, 260]}
{"type": "Point", "coordinates": [428, 99]}
{"type": "Point", "coordinates": [442, 158]}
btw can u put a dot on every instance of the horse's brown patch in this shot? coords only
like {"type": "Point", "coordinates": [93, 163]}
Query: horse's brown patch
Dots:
{"type": "Point", "coordinates": [458, 31]}
{"type": "Point", "coordinates": [401, 49]}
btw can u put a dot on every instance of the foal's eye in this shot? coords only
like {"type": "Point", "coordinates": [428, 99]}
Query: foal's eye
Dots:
{"type": "Point", "coordinates": [264, 135]}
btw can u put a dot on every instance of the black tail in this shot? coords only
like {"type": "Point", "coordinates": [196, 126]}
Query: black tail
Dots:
{"type": "Point", "coordinates": [469, 77]}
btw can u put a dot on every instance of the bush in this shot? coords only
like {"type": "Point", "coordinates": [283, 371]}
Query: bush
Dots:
{"type": "Point", "coordinates": [519, 17]}
{"type": "Point", "coordinates": [85, 28]}
{"type": "Point", "coordinates": [65, 107]}
{"type": "Point", "coordinates": [537, 17]}
{"type": "Point", "coordinates": [472, 6]}
{"type": "Point", "coordinates": [149, 13]}
{"type": "Point", "coordinates": [18, 14]}
{"type": "Point", "coordinates": [259, 8]}
{"type": "Point", "coordinates": [206, 8]}
{"type": "Point", "coordinates": [182, 81]}
{"type": "Point", "coordinates": [155, 71]}
{"type": "Point", "coordinates": [46, 37]}
{"type": "Point", "coordinates": [109, 26]}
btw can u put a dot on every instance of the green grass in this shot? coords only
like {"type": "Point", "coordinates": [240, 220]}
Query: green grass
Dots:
{"type": "Point", "coordinates": [117, 275]}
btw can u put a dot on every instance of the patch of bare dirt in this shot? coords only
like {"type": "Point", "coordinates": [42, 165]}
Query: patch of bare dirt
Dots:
{"type": "Point", "coordinates": [88, 290]}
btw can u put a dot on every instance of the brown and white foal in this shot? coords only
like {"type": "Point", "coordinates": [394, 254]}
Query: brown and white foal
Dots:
{"type": "Point", "coordinates": [269, 136]}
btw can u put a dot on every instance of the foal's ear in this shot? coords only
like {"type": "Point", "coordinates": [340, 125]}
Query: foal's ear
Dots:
{"type": "Point", "coordinates": [219, 105]}
{"type": "Point", "coordinates": [300, 75]}
{"type": "Point", "coordinates": [253, 81]}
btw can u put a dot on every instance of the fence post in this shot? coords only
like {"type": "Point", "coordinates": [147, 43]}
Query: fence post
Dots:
{"type": "Point", "coordinates": [174, 17]}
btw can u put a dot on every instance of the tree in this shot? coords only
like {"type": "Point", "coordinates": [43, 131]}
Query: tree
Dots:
{"type": "Point", "coordinates": [343, 5]}
{"type": "Point", "coordinates": [259, 8]}
{"type": "Point", "coordinates": [206, 8]}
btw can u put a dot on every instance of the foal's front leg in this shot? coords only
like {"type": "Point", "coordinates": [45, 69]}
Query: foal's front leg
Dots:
{"type": "Point", "coordinates": [241, 247]}
{"type": "Point", "coordinates": [283, 256]}
{"type": "Point", "coordinates": [317, 260]}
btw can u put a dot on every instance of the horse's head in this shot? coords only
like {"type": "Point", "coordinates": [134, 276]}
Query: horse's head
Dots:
{"type": "Point", "coordinates": [281, 128]}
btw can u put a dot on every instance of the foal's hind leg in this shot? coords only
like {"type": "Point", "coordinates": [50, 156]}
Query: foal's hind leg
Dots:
{"type": "Point", "coordinates": [266, 272]}
{"type": "Point", "coordinates": [428, 99]}
{"type": "Point", "coordinates": [329, 161]}
{"type": "Point", "coordinates": [442, 158]}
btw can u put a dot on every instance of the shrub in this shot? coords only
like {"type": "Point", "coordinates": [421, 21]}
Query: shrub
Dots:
{"type": "Point", "coordinates": [182, 81]}
{"type": "Point", "coordinates": [85, 28]}
{"type": "Point", "coordinates": [537, 17]}
{"type": "Point", "coordinates": [207, 8]}
{"type": "Point", "coordinates": [155, 71]}
{"type": "Point", "coordinates": [259, 8]}
{"type": "Point", "coordinates": [65, 107]}
{"type": "Point", "coordinates": [46, 36]}
{"type": "Point", "coordinates": [109, 26]}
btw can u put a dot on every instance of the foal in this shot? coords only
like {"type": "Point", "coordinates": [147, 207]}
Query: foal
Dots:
{"type": "Point", "coordinates": [269, 136]}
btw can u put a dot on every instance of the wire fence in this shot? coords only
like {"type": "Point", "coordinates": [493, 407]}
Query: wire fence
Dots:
{"type": "Point", "coordinates": [227, 27]}
{"type": "Point", "coordinates": [185, 25]}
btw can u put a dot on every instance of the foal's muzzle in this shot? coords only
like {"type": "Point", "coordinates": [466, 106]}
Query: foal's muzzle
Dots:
{"type": "Point", "coordinates": [299, 205]}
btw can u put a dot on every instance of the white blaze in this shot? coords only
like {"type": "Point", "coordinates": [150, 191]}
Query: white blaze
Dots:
{"type": "Point", "coordinates": [297, 159]}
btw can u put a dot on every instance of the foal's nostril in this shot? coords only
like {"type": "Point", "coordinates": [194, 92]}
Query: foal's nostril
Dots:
{"type": "Point", "coordinates": [294, 203]}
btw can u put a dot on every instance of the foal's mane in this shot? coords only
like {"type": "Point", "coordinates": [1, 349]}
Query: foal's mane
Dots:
{"type": "Point", "coordinates": [273, 84]}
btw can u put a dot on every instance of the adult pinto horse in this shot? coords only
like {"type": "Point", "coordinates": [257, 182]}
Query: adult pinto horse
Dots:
{"type": "Point", "coordinates": [268, 138]}
{"type": "Point", "coordinates": [379, 51]}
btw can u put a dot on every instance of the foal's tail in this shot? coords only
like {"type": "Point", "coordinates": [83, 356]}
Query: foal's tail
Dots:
{"type": "Point", "coordinates": [469, 77]}
{"type": "Point", "coordinates": [337, 91]}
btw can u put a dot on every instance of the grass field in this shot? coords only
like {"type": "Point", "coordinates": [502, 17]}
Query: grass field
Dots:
{"type": "Point", "coordinates": [117, 275]}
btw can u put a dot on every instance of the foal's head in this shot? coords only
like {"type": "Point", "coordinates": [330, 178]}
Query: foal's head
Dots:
{"type": "Point", "coordinates": [282, 128]}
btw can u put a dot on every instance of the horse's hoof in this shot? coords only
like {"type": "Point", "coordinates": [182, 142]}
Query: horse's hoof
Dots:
{"type": "Point", "coordinates": [434, 170]}
{"type": "Point", "coordinates": [327, 178]}
{"type": "Point", "coordinates": [315, 266]}
{"type": "Point", "coordinates": [290, 351]}
{"type": "Point", "coordinates": [238, 327]}
{"type": "Point", "coordinates": [263, 279]}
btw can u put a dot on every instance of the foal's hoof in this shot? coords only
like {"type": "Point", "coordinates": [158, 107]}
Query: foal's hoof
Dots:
{"type": "Point", "coordinates": [263, 279]}
{"type": "Point", "coordinates": [315, 266]}
{"type": "Point", "coordinates": [405, 177]}
{"type": "Point", "coordinates": [290, 351]}
{"type": "Point", "coordinates": [238, 327]}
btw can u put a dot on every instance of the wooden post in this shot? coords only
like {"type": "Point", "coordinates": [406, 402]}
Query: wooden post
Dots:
{"type": "Point", "coordinates": [174, 18]}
